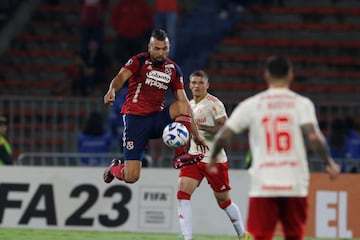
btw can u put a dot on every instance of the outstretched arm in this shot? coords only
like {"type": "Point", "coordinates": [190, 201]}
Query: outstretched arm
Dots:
{"type": "Point", "coordinates": [222, 139]}
{"type": "Point", "coordinates": [116, 83]}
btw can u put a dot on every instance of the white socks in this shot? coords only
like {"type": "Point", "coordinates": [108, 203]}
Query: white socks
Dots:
{"type": "Point", "coordinates": [185, 218]}
{"type": "Point", "coordinates": [234, 215]}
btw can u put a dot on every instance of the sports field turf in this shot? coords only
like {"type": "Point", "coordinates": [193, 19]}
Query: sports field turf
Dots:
{"type": "Point", "coordinates": [30, 234]}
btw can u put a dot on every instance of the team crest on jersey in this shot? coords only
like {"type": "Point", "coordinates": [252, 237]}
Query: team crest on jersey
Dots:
{"type": "Point", "coordinates": [169, 68]}
{"type": "Point", "coordinates": [169, 65]}
{"type": "Point", "coordinates": [129, 62]}
{"type": "Point", "coordinates": [129, 145]}
{"type": "Point", "coordinates": [168, 71]}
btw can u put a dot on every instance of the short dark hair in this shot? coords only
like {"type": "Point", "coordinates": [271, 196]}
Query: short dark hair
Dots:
{"type": "Point", "coordinates": [278, 66]}
{"type": "Point", "coordinates": [199, 73]}
{"type": "Point", "coordinates": [159, 34]}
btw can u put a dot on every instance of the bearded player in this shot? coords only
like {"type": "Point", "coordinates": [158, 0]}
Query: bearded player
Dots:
{"type": "Point", "coordinates": [150, 75]}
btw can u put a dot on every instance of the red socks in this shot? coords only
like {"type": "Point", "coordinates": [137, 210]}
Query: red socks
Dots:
{"type": "Point", "coordinates": [186, 120]}
{"type": "Point", "coordinates": [118, 171]}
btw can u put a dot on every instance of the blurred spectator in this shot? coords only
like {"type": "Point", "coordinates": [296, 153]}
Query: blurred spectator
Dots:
{"type": "Point", "coordinates": [133, 21]}
{"type": "Point", "coordinates": [5, 148]}
{"type": "Point", "coordinates": [166, 18]}
{"type": "Point", "coordinates": [226, 8]}
{"type": "Point", "coordinates": [94, 66]}
{"type": "Point", "coordinates": [86, 72]}
{"type": "Point", "coordinates": [7, 8]}
{"type": "Point", "coordinates": [74, 76]}
{"type": "Point", "coordinates": [94, 138]}
{"type": "Point", "coordinates": [71, 84]}
{"type": "Point", "coordinates": [92, 22]}
{"type": "Point", "coordinates": [336, 139]}
{"type": "Point", "coordinates": [353, 170]}
{"type": "Point", "coordinates": [352, 141]}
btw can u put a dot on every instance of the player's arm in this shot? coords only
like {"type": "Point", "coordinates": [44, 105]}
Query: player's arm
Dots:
{"type": "Point", "coordinates": [221, 140]}
{"type": "Point", "coordinates": [317, 143]}
{"type": "Point", "coordinates": [213, 129]}
{"type": "Point", "coordinates": [180, 95]}
{"type": "Point", "coordinates": [116, 83]}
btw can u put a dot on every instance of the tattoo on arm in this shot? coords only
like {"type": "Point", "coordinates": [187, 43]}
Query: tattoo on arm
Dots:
{"type": "Point", "coordinates": [222, 139]}
{"type": "Point", "coordinates": [316, 141]}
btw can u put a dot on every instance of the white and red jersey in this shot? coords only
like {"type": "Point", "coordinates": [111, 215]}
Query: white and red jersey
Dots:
{"type": "Point", "coordinates": [279, 163]}
{"type": "Point", "coordinates": [206, 112]}
{"type": "Point", "coordinates": [149, 84]}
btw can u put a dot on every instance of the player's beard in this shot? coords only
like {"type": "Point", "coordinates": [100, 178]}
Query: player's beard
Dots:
{"type": "Point", "coordinates": [159, 63]}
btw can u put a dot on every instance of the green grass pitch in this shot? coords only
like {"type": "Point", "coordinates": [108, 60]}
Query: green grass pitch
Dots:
{"type": "Point", "coordinates": [32, 234]}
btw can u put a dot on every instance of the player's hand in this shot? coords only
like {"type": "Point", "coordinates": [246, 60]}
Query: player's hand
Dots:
{"type": "Point", "coordinates": [200, 143]}
{"type": "Point", "coordinates": [333, 169]}
{"type": "Point", "coordinates": [211, 167]}
{"type": "Point", "coordinates": [109, 97]}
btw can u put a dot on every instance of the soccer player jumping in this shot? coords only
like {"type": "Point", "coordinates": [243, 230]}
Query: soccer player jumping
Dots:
{"type": "Point", "coordinates": [149, 75]}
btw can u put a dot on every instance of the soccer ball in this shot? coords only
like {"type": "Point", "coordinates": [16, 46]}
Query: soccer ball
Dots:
{"type": "Point", "coordinates": [175, 135]}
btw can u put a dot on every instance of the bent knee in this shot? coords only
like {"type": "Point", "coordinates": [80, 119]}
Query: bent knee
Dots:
{"type": "Point", "coordinates": [224, 204]}
{"type": "Point", "coordinates": [183, 195]}
{"type": "Point", "coordinates": [131, 179]}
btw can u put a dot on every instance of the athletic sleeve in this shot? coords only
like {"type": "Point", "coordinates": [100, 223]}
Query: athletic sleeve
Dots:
{"type": "Point", "coordinates": [178, 81]}
{"type": "Point", "coordinates": [307, 113]}
{"type": "Point", "coordinates": [133, 64]}
{"type": "Point", "coordinates": [218, 110]}
{"type": "Point", "coordinates": [240, 118]}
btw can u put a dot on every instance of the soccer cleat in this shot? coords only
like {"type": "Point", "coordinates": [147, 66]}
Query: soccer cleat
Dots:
{"type": "Point", "coordinates": [187, 159]}
{"type": "Point", "coordinates": [108, 177]}
{"type": "Point", "coordinates": [246, 236]}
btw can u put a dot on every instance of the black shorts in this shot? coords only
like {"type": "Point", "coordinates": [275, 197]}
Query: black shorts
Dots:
{"type": "Point", "coordinates": [138, 130]}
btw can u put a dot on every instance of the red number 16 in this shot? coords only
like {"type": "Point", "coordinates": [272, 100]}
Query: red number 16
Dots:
{"type": "Point", "coordinates": [278, 135]}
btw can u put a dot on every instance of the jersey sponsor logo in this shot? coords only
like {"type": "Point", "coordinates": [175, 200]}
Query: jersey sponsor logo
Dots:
{"type": "Point", "coordinates": [201, 120]}
{"type": "Point", "coordinates": [280, 105]}
{"type": "Point", "coordinates": [159, 76]}
{"type": "Point", "coordinates": [157, 79]}
{"type": "Point", "coordinates": [280, 164]}
{"type": "Point", "coordinates": [129, 145]}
